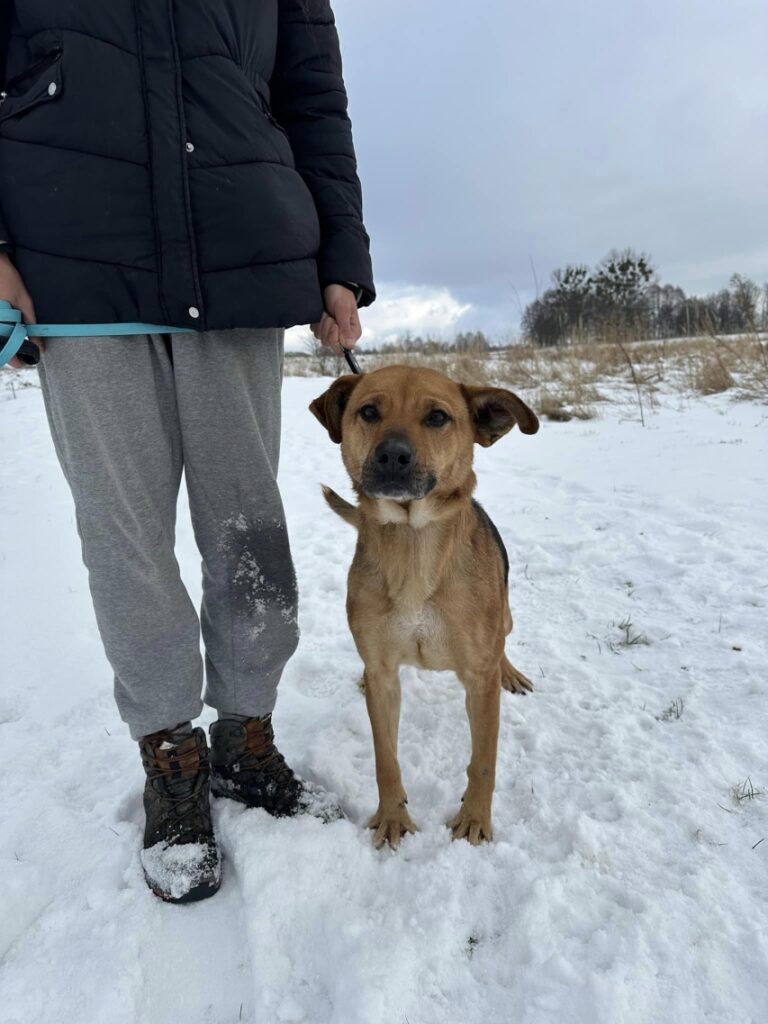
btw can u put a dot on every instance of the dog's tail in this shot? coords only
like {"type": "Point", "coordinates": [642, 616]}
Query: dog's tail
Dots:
{"type": "Point", "coordinates": [342, 508]}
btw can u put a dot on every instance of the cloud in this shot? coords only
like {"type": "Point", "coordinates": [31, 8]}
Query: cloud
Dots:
{"type": "Point", "coordinates": [527, 136]}
{"type": "Point", "coordinates": [505, 152]}
{"type": "Point", "coordinates": [401, 308]}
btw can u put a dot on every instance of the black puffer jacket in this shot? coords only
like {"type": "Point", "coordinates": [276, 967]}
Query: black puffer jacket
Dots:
{"type": "Point", "coordinates": [180, 162]}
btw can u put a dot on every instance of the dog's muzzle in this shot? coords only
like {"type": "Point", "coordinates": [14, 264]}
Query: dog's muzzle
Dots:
{"type": "Point", "coordinates": [391, 471]}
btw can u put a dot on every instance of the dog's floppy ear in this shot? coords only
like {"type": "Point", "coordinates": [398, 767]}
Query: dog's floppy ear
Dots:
{"type": "Point", "coordinates": [330, 406]}
{"type": "Point", "coordinates": [494, 411]}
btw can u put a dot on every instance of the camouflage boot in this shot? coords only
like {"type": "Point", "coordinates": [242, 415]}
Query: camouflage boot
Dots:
{"type": "Point", "coordinates": [180, 857]}
{"type": "Point", "coordinates": [247, 766]}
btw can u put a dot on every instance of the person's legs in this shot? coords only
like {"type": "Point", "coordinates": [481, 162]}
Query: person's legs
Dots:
{"type": "Point", "coordinates": [228, 387]}
{"type": "Point", "coordinates": [111, 407]}
{"type": "Point", "coordinates": [126, 415]}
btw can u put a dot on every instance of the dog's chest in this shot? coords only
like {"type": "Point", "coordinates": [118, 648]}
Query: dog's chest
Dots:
{"type": "Point", "coordinates": [422, 636]}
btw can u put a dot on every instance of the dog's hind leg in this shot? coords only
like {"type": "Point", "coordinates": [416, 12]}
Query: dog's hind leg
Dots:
{"type": "Point", "coordinates": [513, 680]}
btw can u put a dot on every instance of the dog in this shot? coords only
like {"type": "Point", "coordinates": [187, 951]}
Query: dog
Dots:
{"type": "Point", "coordinates": [428, 583]}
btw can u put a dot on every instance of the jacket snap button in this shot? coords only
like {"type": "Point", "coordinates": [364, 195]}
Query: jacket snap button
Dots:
{"type": "Point", "coordinates": [194, 312]}
{"type": "Point", "coordinates": [52, 89]}
{"type": "Point", "coordinates": [190, 147]}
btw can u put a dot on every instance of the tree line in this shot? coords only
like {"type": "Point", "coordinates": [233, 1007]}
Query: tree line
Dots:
{"type": "Point", "coordinates": [464, 341]}
{"type": "Point", "coordinates": [622, 295]}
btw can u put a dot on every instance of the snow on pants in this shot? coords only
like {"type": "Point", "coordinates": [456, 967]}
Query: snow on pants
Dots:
{"type": "Point", "coordinates": [126, 416]}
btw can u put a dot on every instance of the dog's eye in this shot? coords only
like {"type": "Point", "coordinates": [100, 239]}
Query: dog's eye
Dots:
{"type": "Point", "coordinates": [369, 413]}
{"type": "Point", "coordinates": [437, 418]}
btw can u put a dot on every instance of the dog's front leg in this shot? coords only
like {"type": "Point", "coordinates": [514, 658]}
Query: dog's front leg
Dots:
{"type": "Point", "coordinates": [382, 695]}
{"type": "Point", "coordinates": [473, 822]}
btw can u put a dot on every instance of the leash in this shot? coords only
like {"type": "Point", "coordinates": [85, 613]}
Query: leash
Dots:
{"type": "Point", "coordinates": [351, 361]}
{"type": "Point", "coordinates": [16, 335]}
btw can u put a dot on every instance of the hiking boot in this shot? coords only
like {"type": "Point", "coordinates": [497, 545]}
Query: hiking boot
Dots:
{"type": "Point", "coordinates": [180, 857]}
{"type": "Point", "coordinates": [247, 766]}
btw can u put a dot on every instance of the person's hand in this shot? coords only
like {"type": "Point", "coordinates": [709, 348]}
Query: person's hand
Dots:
{"type": "Point", "coordinates": [340, 326]}
{"type": "Point", "coordinates": [12, 290]}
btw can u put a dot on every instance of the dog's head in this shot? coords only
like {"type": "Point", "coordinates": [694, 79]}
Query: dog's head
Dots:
{"type": "Point", "coordinates": [407, 432]}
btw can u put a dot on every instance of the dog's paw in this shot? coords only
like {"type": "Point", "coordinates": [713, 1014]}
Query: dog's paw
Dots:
{"type": "Point", "coordinates": [391, 826]}
{"type": "Point", "coordinates": [513, 680]}
{"type": "Point", "coordinates": [473, 824]}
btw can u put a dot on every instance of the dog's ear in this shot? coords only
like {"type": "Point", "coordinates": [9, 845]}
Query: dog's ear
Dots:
{"type": "Point", "coordinates": [330, 406]}
{"type": "Point", "coordinates": [494, 411]}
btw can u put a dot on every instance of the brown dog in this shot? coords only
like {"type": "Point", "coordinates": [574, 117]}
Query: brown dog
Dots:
{"type": "Point", "coordinates": [428, 584]}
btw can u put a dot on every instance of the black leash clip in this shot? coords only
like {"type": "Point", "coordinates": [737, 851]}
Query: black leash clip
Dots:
{"type": "Point", "coordinates": [29, 353]}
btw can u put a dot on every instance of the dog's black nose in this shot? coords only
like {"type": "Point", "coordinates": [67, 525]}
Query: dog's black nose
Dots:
{"type": "Point", "coordinates": [394, 458]}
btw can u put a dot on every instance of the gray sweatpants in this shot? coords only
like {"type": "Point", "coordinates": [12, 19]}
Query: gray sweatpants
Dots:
{"type": "Point", "coordinates": [126, 415]}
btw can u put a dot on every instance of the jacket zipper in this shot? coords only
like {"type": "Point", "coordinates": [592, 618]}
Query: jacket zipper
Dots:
{"type": "Point", "coordinates": [192, 242]}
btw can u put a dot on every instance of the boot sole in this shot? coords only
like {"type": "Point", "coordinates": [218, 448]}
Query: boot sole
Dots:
{"type": "Point", "coordinates": [203, 891]}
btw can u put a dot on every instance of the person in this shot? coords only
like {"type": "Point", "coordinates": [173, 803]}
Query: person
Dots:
{"type": "Point", "coordinates": [186, 167]}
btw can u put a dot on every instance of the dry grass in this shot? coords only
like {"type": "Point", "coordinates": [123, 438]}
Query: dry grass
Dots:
{"type": "Point", "coordinates": [746, 790]}
{"type": "Point", "coordinates": [746, 361]}
{"type": "Point", "coordinates": [567, 402]}
{"type": "Point", "coordinates": [570, 382]}
{"type": "Point", "coordinates": [673, 712]}
{"type": "Point", "coordinates": [469, 368]}
{"type": "Point", "coordinates": [710, 376]}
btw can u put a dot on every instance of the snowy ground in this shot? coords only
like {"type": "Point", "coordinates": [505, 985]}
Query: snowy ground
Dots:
{"type": "Point", "coordinates": [627, 882]}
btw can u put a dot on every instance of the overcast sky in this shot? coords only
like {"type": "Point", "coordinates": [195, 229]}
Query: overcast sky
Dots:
{"type": "Point", "coordinates": [500, 137]}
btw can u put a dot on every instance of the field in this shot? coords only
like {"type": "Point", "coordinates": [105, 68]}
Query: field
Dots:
{"type": "Point", "coordinates": [629, 873]}
{"type": "Point", "coordinates": [571, 382]}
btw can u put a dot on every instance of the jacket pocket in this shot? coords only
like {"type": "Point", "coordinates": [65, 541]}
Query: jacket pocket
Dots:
{"type": "Point", "coordinates": [267, 112]}
{"type": "Point", "coordinates": [40, 83]}
{"type": "Point", "coordinates": [273, 121]}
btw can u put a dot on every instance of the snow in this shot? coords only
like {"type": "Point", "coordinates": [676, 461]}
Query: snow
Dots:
{"type": "Point", "coordinates": [175, 869]}
{"type": "Point", "coordinates": [628, 878]}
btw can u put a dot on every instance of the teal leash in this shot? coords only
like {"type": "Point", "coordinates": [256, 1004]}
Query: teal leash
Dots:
{"type": "Point", "coordinates": [16, 334]}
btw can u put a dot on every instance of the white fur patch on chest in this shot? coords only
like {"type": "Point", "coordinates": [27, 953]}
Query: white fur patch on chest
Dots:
{"type": "Point", "coordinates": [416, 514]}
{"type": "Point", "coordinates": [420, 514]}
{"type": "Point", "coordinates": [390, 511]}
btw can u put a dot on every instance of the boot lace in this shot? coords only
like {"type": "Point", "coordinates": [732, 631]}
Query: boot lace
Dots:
{"type": "Point", "coordinates": [181, 807]}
